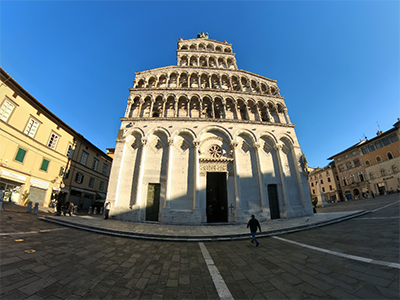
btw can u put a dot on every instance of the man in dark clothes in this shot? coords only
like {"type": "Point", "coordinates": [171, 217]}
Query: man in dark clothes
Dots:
{"type": "Point", "coordinates": [254, 224]}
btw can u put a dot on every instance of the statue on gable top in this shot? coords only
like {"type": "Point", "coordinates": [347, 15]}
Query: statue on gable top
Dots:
{"type": "Point", "coordinates": [202, 35]}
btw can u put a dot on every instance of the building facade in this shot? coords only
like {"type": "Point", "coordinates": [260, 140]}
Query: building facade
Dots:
{"type": "Point", "coordinates": [204, 141]}
{"type": "Point", "coordinates": [323, 187]}
{"type": "Point", "coordinates": [351, 172]}
{"type": "Point", "coordinates": [41, 155]}
{"type": "Point", "coordinates": [86, 176]}
{"type": "Point", "coordinates": [381, 157]}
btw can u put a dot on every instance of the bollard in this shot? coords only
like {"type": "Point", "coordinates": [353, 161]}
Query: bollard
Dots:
{"type": "Point", "coordinates": [95, 211]}
{"type": "Point", "coordinates": [101, 210]}
{"type": "Point", "coordinates": [35, 210]}
{"type": "Point", "coordinates": [90, 211]}
{"type": "Point", "coordinates": [29, 208]}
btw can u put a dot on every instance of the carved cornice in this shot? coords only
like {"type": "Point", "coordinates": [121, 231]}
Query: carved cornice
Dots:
{"type": "Point", "coordinates": [192, 119]}
{"type": "Point", "coordinates": [205, 90]}
{"type": "Point", "coordinates": [212, 159]}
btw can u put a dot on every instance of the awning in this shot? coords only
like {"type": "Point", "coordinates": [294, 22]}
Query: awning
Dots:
{"type": "Point", "coordinates": [102, 195]}
{"type": "Point", "coordinates": [83, 190]}
{"type": "Point", "coordinates": [55, 189]}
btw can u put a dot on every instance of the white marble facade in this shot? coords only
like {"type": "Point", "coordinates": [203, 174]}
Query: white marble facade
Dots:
{"type": "Point", "coordinates": [205, 142]}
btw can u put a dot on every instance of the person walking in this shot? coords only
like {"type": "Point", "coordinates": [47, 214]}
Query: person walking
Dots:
{"type": "Point", "coordinates": [107, 210]}
{"type": "Point", "coordinates": [254, 224]}
{"type": "Point", "coordinates": [70, 208]}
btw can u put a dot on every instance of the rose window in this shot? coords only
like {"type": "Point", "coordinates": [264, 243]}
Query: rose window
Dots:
{"type": "Point", "coordinates": [215, 151]}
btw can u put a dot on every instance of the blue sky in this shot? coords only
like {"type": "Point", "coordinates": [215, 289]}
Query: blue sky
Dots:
{"type": "Point", "coordinates": [336, 62]}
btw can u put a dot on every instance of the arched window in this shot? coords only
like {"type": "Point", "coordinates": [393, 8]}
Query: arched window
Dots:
{"type": "Point", "coordinates": [360, 176]}
{"type": "Point", "coordinates": [378, 159]}
{"type": "Point", "coordinates": [367, 163]}
{"type": "Point", "coordinates": [389, 155]}
{"type": "Point", "coordinates": [344, 181]}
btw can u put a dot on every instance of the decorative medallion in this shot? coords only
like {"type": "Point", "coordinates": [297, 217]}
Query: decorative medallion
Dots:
{"type": "Point", "coordinates": [215, 151]}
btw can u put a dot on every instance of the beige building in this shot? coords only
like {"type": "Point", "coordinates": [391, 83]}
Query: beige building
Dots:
{"type": "Point", "coordinates": [381, 158]}
{"type": "Point", "coordinates": [204, 142]}
{"type": "Point", "coordinates": [42, 155]}
{"type": "Point", "coordinates": [323, 186]}
{"type": "Point", "coordinates": [351, 173]}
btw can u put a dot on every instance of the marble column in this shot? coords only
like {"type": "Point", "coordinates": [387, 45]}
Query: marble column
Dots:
{"type": "Point", "coordinates": [139, 199]}
{"type": "Point", "coordinates": [167, 203]}
{"type": "Point", "coordinates": [277, 114]}
{"type": "Point", "coordinates": [256, 147]}
{"type": "Point", "coordinates": [141, 101]}
{"type": "Point", "coordinates": [286, 206]}
{"type": "Point", "coordinates": [270, 118]}
{"type": "Point", "coordinates": [236, 179]}
{"type": "Point", "coordinates": [175, 108]}
{"type": "Point", "coordinates": [128, 108]}
{"type": "Point", "coordinates": [224, 109]}
{"type": "Point", "coordinates": [188, 107]}
{"type": "Point", "coordinates": [238, 116]}
{"type": "Point", "coordinates": [196, 173]}
{"type": "Point", "coordinates": [151, 108]}
{"type": "Point", "coordinates": [163, 107]}
{"type": "Point", "coordinates": [285, 113]}
{"type": "Point", "coordinates": [258, 113]}
{"type": "Point", "coordinates": [201, 108]}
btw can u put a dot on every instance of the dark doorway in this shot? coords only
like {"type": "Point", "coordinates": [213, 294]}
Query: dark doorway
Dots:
{"type": "Point", "coordinates": [217, 204]}
{"type": "Point", "coordinates": [381, 188]}
{"type": "Point", "coordinates": [273, 201]}
{"type": "Point", "coordinates": [153, 202]}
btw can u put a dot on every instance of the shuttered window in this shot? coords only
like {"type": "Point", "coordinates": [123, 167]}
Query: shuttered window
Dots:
{"type": "Point", "coordinates": [20, 155]}
{"type": "Point", "coordinates": [53, 141]}
{"type": "Point", "coordinates": [6, 109]}
{"type": "Point", "coordinates": [31, 127]}
{"type": "Point", "coordinates": [45, 165]}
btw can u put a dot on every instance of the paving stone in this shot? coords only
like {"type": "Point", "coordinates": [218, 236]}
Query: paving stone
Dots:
{"type": "Point", "coordinates": [369, 278]}
{"type": "Point", "coordinates": [14, 294]}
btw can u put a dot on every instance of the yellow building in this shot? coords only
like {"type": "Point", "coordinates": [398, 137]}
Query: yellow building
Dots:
{"type": "Point", "coordinates": [323, 187]}
{"type": "Point", "coordinates": [37, 152]}
{"type": "Point", "coordinates": [381, 157]}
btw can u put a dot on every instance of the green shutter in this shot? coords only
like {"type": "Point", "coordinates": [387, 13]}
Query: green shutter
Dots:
{"type": "Point", "coordinates": [45, 164]}
{"type": "Point", "coordinates": [20, 155]}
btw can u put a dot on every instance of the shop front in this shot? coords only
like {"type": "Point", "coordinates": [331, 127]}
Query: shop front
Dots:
{"type": "Point", "coordinates": [11, 185]}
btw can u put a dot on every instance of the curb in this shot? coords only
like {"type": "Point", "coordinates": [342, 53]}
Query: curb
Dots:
{"type": "Point", "coordinates": [184, 238]}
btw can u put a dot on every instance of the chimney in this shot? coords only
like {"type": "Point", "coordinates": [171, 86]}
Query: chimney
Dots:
{"type": "Point", "coordinates": [379, 132]}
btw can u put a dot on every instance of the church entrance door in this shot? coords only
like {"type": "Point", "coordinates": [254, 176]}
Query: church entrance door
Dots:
{"type": "Point", "coordinates": [153, 202]}
{"type": "Point", "coordinates": [217, 200]}
{"type": "Point", "coordinates": [273, 201]}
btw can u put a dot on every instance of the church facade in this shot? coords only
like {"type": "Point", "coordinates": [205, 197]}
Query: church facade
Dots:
{"type": "Point", "coordinates": [205, 142]}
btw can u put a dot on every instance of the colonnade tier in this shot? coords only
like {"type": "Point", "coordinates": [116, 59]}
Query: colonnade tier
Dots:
{"type": "Point", "coordinates": [205, 80]}
{"type": "Point", "coordinates": [204, 45]}
{"type": "Point", "coordinates": [196, 106]}
{"type": "Point", "coordinates": [206, 60]}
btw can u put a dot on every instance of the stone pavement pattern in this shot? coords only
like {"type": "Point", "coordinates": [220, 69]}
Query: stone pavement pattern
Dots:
{"type": "Point", "coordinates": [76, 264]}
